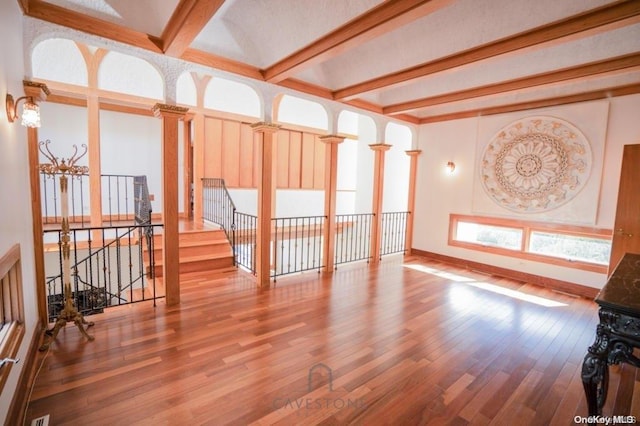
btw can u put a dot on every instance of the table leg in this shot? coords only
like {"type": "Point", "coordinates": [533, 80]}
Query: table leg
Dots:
{"type": "Point", "coordinates": [595, 372]}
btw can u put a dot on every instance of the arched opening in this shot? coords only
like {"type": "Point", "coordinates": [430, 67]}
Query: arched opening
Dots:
{"type": "Point", "coordinates": [302, 112]}
{"type": "Point", "coordinates": [127, 74]}
{"type": "Point", "coordinates": [230, 96]}
{"type": "Point", "coordinates": [60, 60]}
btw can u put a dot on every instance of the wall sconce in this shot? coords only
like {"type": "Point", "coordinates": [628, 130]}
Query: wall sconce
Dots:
{"type": "Point", "coordinates": [30, 111]}
{"type": "Point", "coordinates": [450, 167]}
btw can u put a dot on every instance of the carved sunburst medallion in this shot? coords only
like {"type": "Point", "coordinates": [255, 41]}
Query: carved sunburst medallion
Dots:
{"type": "Point", "coordinates": [536, 164]}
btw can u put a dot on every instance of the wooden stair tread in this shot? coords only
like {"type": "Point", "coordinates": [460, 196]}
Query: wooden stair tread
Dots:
{"type": "Point", "coordinates": [205, 250]}
{"type": "Point", "coordinates": [199, 258]}
{"type": "Point", "coordinates": [194, 243]}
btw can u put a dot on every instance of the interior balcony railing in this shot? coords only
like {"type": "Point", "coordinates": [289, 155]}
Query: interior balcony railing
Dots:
{"type": "Point", "coordinates": [353, 237]}
{"type": "Point", "coordinates": [297, 244]}
{"type": "Point", "coordinates": [394, 229]}
{"type": "Point", "coordinates": [117, 199]}
{"type": "Point", "coordinates": [240, 228]}
{"type": "Point", "coordinates": [244, 240]}
{"type": "Point", "coordinates": [108, 269]}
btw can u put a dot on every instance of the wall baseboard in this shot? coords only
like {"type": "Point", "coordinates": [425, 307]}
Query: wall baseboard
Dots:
{"type": "Point", "coordinates": [18, 407]}
{"type": "Point", "coordinates": [550, 283]}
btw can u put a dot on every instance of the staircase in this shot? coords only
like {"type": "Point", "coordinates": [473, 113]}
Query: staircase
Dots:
{"type": "Point", "coordinates": [201, 250]}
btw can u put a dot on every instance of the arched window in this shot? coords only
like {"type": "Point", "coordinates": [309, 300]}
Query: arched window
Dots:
{"type": "Point", "coordinates": [127, 74]}
{"type": "Point", "coordinates": [302, 112]}
{"type": "Point", "coordinates": [60, 60]}
{"type": "Point", "coordinates": [187, 93]}
{"type": "Point", "coordinates": [231, 96]}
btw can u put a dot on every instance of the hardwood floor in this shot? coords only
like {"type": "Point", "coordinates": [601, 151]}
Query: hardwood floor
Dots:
{"type": "Point", "coordinates": [407, 342]}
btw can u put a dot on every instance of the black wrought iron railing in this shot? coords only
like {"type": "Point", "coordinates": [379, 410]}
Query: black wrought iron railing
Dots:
{"type": "Point", "coordinates": [240, 228]}
{"type": "Point", "coordinates": [244, 240]}
{"type": "Point", "coordinates": [297, 243]}
{"type": "Point", "coordinates": [78, 193]}
{"type": "Point", "coordinates": [110, 267]}
{"type": "Point", "coordinates": [218, 206]}
{"type": "Point", "coordinates": [353, 237]}
{"type": "Point", "coordinates": [394, 228]}
{"type": "Point", "coordinates": [118, 198]}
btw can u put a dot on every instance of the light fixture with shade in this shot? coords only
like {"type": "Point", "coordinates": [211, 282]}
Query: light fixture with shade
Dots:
{"type": "Point", "coordinates": [450, 167]}
{"type": "Point", "coordinates": [30, 111]}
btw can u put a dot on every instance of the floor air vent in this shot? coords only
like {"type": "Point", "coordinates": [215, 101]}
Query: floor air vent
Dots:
{"type": "Point", "coordinates": [41, 421]}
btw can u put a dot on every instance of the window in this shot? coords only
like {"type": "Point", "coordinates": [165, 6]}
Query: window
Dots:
{"type": "Point", "coordinates": [11, 308]}
{"type": "Point", "coordinates": [586, 249]}
{"type": "Point", "coordinates": [566, 245]}
{"type": "Point", "coordinates": [487, 235]}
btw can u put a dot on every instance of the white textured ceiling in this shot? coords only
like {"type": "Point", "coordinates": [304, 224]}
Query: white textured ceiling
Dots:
{"type": "Point", "coordinates": [261, 33]}
{"type": "Point", "coordinates": [147, 16]}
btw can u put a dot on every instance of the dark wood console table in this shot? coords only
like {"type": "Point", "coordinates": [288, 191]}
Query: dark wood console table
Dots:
{"type": "Point", "coordinates": [618, 332]}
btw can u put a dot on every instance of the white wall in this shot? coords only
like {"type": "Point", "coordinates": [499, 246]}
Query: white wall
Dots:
{"type": "Point", "coordinates": [366, 158]}
{"type": "Point", "coordinates": [15, 192]}
{"type": "Point", "coordinates": [395, 194]}
{"type": "Point", "coordinates": [64, 126]}
{"type": "Point", "coordinates": [299, 202]}
{"type": "Point", "coordinates": [439, 194]}
{"type": "Point", "coordinates": [129, 145]}
{"type": "Point", "coordinates": [245, 200]}
{"type": "Point", "coordinates": [132, 145]}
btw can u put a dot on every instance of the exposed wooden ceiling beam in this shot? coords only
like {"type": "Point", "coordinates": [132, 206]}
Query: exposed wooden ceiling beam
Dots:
{"type": "Point", "coordinates": [187, 20]}
{"type": "Point", "coordinates": [386, 17]}
{"type": "Point", "coordinates": [577, 24]}
{"type": "Point", "coordinates": [366, 105]}
{"type": "Point", "coordinates": [88, 24]}
{"type": "Point", "coordinates": [580, 71]}
{"type": "Point", "coordinates": [522, 106]}
{"type": "Point", "coordinates": [220, 63]}
{"type": "Point", "coordinates": [321, 92]}
{"type": "Point", "coordinates": [304, 87]}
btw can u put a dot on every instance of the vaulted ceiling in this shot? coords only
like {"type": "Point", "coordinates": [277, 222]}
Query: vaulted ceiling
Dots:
{"type": "Point", "coordinates": [415, 60]}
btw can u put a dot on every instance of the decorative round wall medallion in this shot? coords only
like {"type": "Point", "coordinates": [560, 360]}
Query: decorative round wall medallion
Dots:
{"type": "Point", "coordinates": [536, 164]}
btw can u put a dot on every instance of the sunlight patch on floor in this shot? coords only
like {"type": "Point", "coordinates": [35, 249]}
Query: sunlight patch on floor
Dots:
{"type": "Point", "coordinates": [515, 294]}
{"type": "Point", "coordinates": [439, 273]}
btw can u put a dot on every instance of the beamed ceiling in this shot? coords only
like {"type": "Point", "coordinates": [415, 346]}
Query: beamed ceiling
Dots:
{"type": "Point", "coordinates": [415, 60]}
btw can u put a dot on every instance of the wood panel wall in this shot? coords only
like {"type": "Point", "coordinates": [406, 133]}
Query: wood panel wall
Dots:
{"type": "Point", "coordinates": [231, 152]}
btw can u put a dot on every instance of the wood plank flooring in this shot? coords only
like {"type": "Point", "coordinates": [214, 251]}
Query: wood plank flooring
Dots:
{"type": "Point", "coordinates": [407, 342]}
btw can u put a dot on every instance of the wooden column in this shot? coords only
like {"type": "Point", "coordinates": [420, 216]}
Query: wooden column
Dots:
{"type": "Point", "coordinates": [378, 185]}
{"type": "Point", "coordinates": [187, 175]}
{"type": "Point", "coordinates": [95, 172]}
{"type": "Point", "coordinates": [266, 199]}
{"type": "Point", "coordinates": [170, 115]}
{"type": "Point", "coordinates": [330, 194]}
{"type": "Point", "coordinates": [92, 60]}
{"type": "Point", "coordinates": [199, 144]}
{"type": "Point", "coordinates": [198, 164]}
{"type": "Point", "coordinates": [39, 92]}
{"type": "Point", "coordinates": [411, 202]}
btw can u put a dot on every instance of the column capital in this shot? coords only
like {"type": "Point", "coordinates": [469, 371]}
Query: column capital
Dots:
{"type": "Point", "coordinates": [380, 146]}
{"type": "Point", "coordinates": [332, 139]}
{"type": "Point", "coordinates": [413, 152]}
{"type": "Point", "coordinates": [165, 110]}
{"type": "Point", "coordinates": [265, 127]}
{"type": "Point", "coordinates": [38, 91]}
